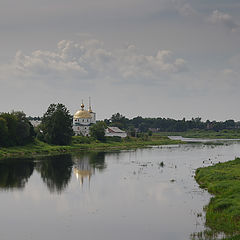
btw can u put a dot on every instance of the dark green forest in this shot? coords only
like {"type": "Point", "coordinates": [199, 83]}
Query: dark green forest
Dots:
{"type": "Point", "coordinates": [159, 124]}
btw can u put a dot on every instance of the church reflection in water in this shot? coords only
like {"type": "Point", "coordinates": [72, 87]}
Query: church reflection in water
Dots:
{"type": "Point", "coordinates": [86, 164]}
{"type": "Point", "coordinates": [55, 171]}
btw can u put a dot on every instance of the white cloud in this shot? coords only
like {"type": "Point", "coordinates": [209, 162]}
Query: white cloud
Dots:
{"type": "Point", "coordinates": [183, 7]}
{"type": "Point", "coordinates": [225, 19]}
{"type": "Point", "coordinates": [91, 60]}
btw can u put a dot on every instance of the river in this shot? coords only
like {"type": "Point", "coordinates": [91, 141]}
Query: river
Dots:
{"type": "Point", "coordinates": [137, 195]}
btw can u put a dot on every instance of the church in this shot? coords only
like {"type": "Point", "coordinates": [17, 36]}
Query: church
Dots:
{"type": "Point", "coordinates": [82, 120]}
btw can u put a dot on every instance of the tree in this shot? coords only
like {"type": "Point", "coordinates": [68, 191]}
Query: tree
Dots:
{"type": "Point", "coordinates": [3, 132]}
{"type": "Point", "coordinates": [11, 121]}
{"type": "Point", "coordinates": [98, 131]}
{"type": "Point", "coordinates": [118, 120]}
{"type": "Point", "coordinates": [15, 129]}
{"type": "Point", "coordinates": [56, 125]}
{"type": "Point", "coordinates": [24, 129]}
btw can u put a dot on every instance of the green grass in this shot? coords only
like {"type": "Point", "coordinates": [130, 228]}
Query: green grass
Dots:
{"type": "Point", "coordinates": [79, 144]}
{"type": "Point", "coordinates": [222, 134]}
{"type": "Point", "coordinates": [223, 181]}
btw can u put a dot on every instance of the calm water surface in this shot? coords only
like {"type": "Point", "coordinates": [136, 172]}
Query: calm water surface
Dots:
{"type": "Point", "coordinates": [105, 196]}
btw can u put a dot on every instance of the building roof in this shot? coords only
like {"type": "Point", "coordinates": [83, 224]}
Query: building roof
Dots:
{"type": "Point", "coordinates": [82, 114]}
{"type": "Point", "coordinates": [115, 129]}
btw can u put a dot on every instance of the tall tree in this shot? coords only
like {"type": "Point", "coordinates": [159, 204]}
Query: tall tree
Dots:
{"type": "Point", "coordinates": [3, 132]}
{"type": "Point", "coordinates": [56, 125]}
{"type": "Point", "coordinates": [98, 131]}
{"type": "Point", "coordinates": [24, 129]}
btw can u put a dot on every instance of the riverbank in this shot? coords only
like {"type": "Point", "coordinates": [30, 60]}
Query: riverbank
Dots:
{"type": "Point", "coordinates": [39, 148]}
{"type": "Point", "coordinates": [221, 134]}
{"type": "Point", "coordinates": [223, 211]}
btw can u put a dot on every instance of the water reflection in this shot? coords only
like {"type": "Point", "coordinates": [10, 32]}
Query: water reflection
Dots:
{"type": "Point", "coordinates": [56, 172]}
{"type": "Point", "coordinates": [14, 174]}
{"type": "Point", "coordinates": [86, 163]}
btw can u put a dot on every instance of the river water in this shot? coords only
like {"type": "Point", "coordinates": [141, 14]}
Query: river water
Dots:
{"type": "Point", "coordinates": [142, 194]}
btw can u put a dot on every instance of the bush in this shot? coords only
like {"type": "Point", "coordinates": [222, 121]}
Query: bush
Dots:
{"type": "Point", "coordinates": [114, 139]}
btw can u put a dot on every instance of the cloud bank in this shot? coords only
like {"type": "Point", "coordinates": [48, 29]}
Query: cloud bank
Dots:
{"type": "Point", "coordinates": [90, 60]}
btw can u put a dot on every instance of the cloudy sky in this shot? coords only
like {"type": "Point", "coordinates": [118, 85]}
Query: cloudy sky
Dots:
{"type": "Point", "coordinates": [153, 58]}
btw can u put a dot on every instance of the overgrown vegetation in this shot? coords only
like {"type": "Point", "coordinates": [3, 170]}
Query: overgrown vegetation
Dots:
{"type": "Point", "coordinates": [223, 211]}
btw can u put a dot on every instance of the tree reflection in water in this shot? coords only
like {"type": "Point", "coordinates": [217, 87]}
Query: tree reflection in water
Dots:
{"type": "Point", "coordinates": [56, 172]}
{"type": "Point", "coordinates": [86, 163]}
{"type": "Point", "coordinates": [14, 174]}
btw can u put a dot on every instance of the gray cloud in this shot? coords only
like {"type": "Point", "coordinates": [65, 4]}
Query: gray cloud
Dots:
{"type": "Point", "coordinates": [225, 19]}
{"type": "Point", "coordinates": [90, 59]}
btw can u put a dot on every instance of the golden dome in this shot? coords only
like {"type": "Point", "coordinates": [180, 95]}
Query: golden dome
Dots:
{"type": "Point", "coordinates": [82, 114]}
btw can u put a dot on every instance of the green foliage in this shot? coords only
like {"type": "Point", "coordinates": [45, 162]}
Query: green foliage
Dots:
{"type": "Point", "coordinates": [3, 131]}
{"type": "Point", "coordinates": [97, 131]}
{"type": "Point", "coordinates": [169, 125]}
{"type": "Point", "coordinates": [15, 129]}
{"type": "Point", "coordinates": [56, 126]}
{"type": "Point", "coordinates": [150, 133]}
{"type": "Point", "coordinates": [82, 140]}
{"type": "Point", "coordinates": [132, 131]}
{"type": "Point", "coordinates": [222, 180]}
{"type": "Point", "coordinates": [11, 125]}
{"type": "Point", "coordinates": [24, 129]}
{"type": "Point", "coordinates": [113, 139]}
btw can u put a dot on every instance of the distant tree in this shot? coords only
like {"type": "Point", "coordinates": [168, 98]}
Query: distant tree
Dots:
{"type": "Point", "coordinates": [132, 131]}
{"type": "Point", "coordinates": [11, 125]}
{"type": "Point", "coordinates": [229, 124]}
{"type": "Point", "coordinates": [98, 131]}
{"type": "Point", "coordinates": [118, 120]}
{"type": "Point", "coordinates": [56, 125]}
{"type": "Point", "coordinates": [24, 129]}
{"type": "Point", "coordinates": [3, 132]}
{"type": "Point", "coordinates": [150, 133]}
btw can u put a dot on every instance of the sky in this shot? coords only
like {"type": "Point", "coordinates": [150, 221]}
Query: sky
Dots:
{"type": "Point", "coordinates": [150, 58]}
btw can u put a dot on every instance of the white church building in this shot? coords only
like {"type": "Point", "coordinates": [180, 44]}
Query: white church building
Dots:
{"type": "Point", "coordinates": [83, 119]}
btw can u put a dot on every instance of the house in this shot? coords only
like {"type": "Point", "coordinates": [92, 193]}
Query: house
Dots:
{"type": "Point", "coordinates": [115, 132]}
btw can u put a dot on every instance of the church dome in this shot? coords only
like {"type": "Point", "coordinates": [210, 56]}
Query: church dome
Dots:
{"type": "Point", "coordinates": [82, 114]}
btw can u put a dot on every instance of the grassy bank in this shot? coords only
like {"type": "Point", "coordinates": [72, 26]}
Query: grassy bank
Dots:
{"type": "Point", "coordinates": [222, 134]}
{"type": "Point", "coordinates": [223, 211]}
{"type": "Point", "coordinates": [79, 144]}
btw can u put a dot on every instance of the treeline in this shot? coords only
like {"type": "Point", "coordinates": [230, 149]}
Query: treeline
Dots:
{"type": "Point", "coordinates": [15, 129]}
{"type": "Point", "coordinates": [141, 124]}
